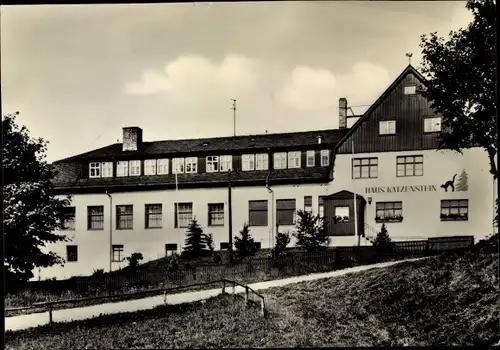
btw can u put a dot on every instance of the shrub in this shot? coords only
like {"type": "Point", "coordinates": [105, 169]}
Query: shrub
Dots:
{"type": "Point", "coordinates": [98, 272]}
{"type": "Point", "coordinates": [282, 240]}
{"type": "Point", "coordinates": [245, 246]}
{"type": "Point", "coordinates": [133, 260]}
{"type": "Point", "coordinates": [383, 243]}
{"type": "Point", "coordinates": [310, 233]}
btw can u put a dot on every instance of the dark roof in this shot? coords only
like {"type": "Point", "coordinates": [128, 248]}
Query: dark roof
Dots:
{"type": "Point", "coordinates": [345, 195]}
{"type": "Point", "coordinates": [219, 144]}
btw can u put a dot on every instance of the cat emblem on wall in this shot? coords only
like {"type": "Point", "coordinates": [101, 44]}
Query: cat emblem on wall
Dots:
{"type": "Point", "coordinates": [461, 185]}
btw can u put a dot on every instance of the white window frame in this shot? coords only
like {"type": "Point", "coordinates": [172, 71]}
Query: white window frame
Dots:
{"type": "Point", "coordinates": [107, 169]}
{"type": "Point", "coordinates": [310, 159]}
{"type": "Point", "coordinates": [191, 164]}
{"type": "Point", "coordinates": [162, 166]}
{"type": "Point", "coordinates": [212, 163]}
{"type": "Point", "coordinates": [387, 127]}
{"type": "Point", "coordinates": [410, 90]}
{"type": "Point", "coordinates": [225, 163]}
{"type": "Point", "coordinates": [134, 168]}
{"type": "Point", "coordinates": [280, 159]}
{"type": "Point", "coordinates": [178, 165]}
{"type": "Point", "coordinates": [341, 212]}
{"type": "Point", "coordinates": [262, 161]}
{"type": "Point", "coordinates": [150, 167]}
{"type": "Point", "coordinates": [432, 124]}
{"type": "Point", "coordinates": [325, 157]}
{"type": "Point", "coordinates": [122, 168]}
{"type": "Point", "coordinates": [94, 170]}
{"type": "Point", "coordinates": [248, 162]}
{"type": "Point", "coordinates": [294, 159]}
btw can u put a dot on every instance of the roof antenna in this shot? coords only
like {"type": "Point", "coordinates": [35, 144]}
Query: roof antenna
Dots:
{"type": "Point", "coordinates": [409, 54]}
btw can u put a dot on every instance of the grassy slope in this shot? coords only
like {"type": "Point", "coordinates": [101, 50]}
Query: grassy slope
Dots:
{"type": "Point", "coordinates": [442, 300]}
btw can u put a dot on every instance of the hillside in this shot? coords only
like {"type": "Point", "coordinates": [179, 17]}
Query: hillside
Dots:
{"type": "Point", "coordinates": [444, 300]}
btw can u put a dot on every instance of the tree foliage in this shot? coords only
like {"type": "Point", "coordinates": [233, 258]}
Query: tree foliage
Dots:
{"type": "Point", "coordinates": [282, 240]}
{"type": "Point", "coordinates": [310, 232]}
{"type": "Point", "coordinates": [133, 260]}
{"type": "Point", "coordinates": [245, 245]}
{"type": "Point", "coordinates": [196, 242]}
{"type": "Point", "coordinates": [461, 82]}
{"type": "Point", "coordinates": [31, 211]}
{"type": "Point", "coordinates": [383, 242]}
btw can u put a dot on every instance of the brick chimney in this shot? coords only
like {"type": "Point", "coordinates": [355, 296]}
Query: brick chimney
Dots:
{"type": "Point", "coordinates": [132, 138]}
{"type": "Point", "coordinates": [342, 113]}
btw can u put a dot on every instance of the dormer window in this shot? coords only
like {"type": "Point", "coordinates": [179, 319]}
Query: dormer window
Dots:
{"type": "Point", "coordinates": [162, 166]}
{"type": "Point", "coordinates": [226, 163]}
{"type": "Point", "coordinates": [410, 90]}
{"type": "Point", "coordinates": [178, 166]}
{"type": "Point", "coordinates": [150, 167]}
{"type": "Point", "coordinates": [134, 167]}
{"type": "Point", "coordinates": [95, 170]}
{"type": "Point", "coordinates": [212, 164]}
{"type": "Point", "coordinates": [293, 159]}
{"type": "Point", "coordinates": [311, 159]}
{"type": "Point", "coordinates": [261, 161]}
{"type": "Point", "coordinates": [122, 168]}
{"type": "Point", "coordinates": [325, 157]}
{"type": "Point", "coordinates": [191, 165]}
{"type": "Point", "coordinates": [280, 160]}
{"type": "Point", "coordinates": [107, 169]}
{"type": "Point", "coordinates": [387, 127]}
{"type": "Point", "coordinates": [247, 162]}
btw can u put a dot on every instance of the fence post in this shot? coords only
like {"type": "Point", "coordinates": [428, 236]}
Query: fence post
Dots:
{"type": "Point", "coordinates": [246, 294]}
{"type": "Point", "coordinates": [262, 307]}
{"type": "Point", "coordinates": [50, 314]}
{"type": "Point", "coordinates": [234, 287]}
{"type": "Point", "coordinates": [165, 296]}
{"type": "Point", "coordinates": [223, 286]}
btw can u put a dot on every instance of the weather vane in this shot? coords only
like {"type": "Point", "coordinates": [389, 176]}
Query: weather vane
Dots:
{"type": "Point", "coordinates": [409, 57]}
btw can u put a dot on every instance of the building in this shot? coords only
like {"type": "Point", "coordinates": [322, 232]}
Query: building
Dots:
{"type": "Point", "coordinates": [125, 197]}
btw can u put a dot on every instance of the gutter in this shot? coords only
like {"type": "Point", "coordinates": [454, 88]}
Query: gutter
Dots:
{"type": "Point", "coordinates": [272, 195]}
{"type": "Point", "coordinates": [110, 230]}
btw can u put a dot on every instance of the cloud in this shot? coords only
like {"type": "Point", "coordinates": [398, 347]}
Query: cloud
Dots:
{"type": "Point", "coordinates": [317, 89]}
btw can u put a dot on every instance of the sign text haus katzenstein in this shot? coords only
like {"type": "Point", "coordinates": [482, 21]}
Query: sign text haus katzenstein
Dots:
{"type": "Point", "coordinates": [398, 189]}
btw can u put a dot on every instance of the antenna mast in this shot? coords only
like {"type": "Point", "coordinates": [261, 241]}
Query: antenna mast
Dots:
{"type": "Point", "coordinates": [234, 116]}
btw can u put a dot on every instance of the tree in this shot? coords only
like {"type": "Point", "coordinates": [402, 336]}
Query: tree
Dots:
{"type": "Point", "coordinates": [245, 246]}
{"type": "Point", "coordinates": [209, 242]}
{"type": "Point", "coordinates": [461, 82]}
{"type": "Point", "coordinates": [383, 242]}
{"type": "Point", "coordinates": [195, 243]}
{"type": "Point", "coordinates": [31, 211]}
{"type": "Point", "coordinates": [463, 182]}
{"type": "Point", "coordinates": [310, 233]}
{"type": "Point", "coordinates": [282, 240]}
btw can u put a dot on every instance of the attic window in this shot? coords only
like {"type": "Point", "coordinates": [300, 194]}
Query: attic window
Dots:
{"type": "Point", "coordinates": [410, 90]}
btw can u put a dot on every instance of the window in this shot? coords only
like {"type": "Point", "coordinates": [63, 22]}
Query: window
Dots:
{"type": "Point", "coordinates": [365, 168]}
{"type": "Point", "coordinates": [257, 213]}
{"type": "Point", "coordinates": [178, 165]}
{"type": "Point", "coordinates": [122, 168]}
{"type": "Point", "coordinates": [454, 210]}
{"type": "Point", "coordinates": [107, 169]}
{"type": "Point", "coordinates": [261, 161]}
{"type": "Point", "coordinates": [294, 159]}
{"type": "Point", "coordinates": [68, 218]}
{"type": "Point", "coordinates": [280, 160]}
{"type": "Point", "coordinates": [183, 214]}
{"type": "Point", "coordinates": [325, 157]}
{"type": "Point", "coordinates": [134, 167]}
{"type": "Point", "coordinates": [321, 207]}
{"type": "Point", "coordinates": [216, 214]}
{"type": "Point", "coordinates": [118, 252]}
{"type": "Point", "coordinates": [71, 253]}
{"type": "Point", "coordinates": [308, 205]}
{"type": "Point", "coordinates": [170, 249]}
{"type": "Point", "coordinates": [162, 166]}
{"type": "Point", "coordinates": [95, 170]}
{"type": "Point", "coordinates": [410, 90]}
{"type": "Point", "coordinates": [95, 218]}
{"type": "Point", "coordinates": [341, 215]}
{"type": "Point", "coordinates": [285, 211]}
{"type": "Point", "coordinates": [432, 124]}
{"type": "Point", "coordinates": [212, 164]}
{"type": "Point", "coordinates": [387, 127]}
{"type": "Point", "coordinates": [150, 167]}
{"type": "Point", "coordinates": [153, 216]}
{"type": "Point", "coordinates": [311, 159]}
{"type": "Point", "coordinates": [248, 162]}
{"type": "Point", "coordinates": [225, 163]}
{"type": "Point", "coordinates": [389, 212]}
{"type": "Point", "coordinates": [191, 165]}
{"type": "Point", "coordinates": [409, 166]}
{"type": "Point", "coordinates": [124, 217]}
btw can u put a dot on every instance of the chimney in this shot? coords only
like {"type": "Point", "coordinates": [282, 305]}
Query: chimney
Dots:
{"type": "Point", "coordinates": [342, 113]}
{"type": "Point", "coordinates": [132, 138]}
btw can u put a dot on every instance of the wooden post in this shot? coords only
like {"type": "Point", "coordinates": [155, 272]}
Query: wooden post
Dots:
{"type": "Point", "coordinates": [262, 307]}
{"type": "Point", "coordinates": [234, 288]}
{"type": "Point", "coordinates": [246, 294]}
{"type": "Point", "coordinates": [223, 286]}
{"type": "Point", "coordinates": [165, 296]}
{"type": "Point", "coordinates": [50, 314]}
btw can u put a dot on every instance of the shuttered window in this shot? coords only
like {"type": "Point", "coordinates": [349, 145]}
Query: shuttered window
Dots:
{"type": "Point", "coordinates": [257, 213]}
{"type": "Point", "coordinates": [285, 211]}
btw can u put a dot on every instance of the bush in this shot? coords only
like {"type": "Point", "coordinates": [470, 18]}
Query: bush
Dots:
{"type": "Point", "coordinates": [245, 246]}
{"type": "Point", "coordinates": [310, 233]}
{"type": "Point", "coordinates": [383, 243]}
{"type": "Point", "coordinates": [282, 240]}
{"type": "Point", "coordinates": [172, 264]}
{"type": "Point", "coordinates": [133, 260]}
{"type": "Point", "coordinates": [98, 272]}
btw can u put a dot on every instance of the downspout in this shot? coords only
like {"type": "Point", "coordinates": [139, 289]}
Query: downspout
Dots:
{"type": "Point", "coordinates": [110, 229]}
{"type": "Point", "coordinates": [272, 196]}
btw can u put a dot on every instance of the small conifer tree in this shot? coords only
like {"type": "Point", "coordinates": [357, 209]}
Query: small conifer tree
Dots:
{"type": "Point", "coordinates": [195, 243]}
{"type": "Point", "coordinates": [383, 242]}
{"type": "Point", "coordinates": [245, 245]}
{"type": "Point", "coordinates": [310, 232]}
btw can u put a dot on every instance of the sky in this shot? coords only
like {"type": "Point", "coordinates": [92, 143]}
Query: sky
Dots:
{"type": "Point", "coordinates": [78, 74]}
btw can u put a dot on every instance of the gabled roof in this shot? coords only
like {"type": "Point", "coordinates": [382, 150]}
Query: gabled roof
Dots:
{"type": "Point", "coordinates": [366, 115]}
{"type": "Point", "coordinates": [345, 195]}
{"type": "Point", "coordinates": [329, 137]}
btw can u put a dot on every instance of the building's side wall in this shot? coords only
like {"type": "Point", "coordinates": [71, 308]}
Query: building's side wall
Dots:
{"type": "Point", "coordinates": [421, 208]}
{"type": "Point", "coordinates": [94, 246]}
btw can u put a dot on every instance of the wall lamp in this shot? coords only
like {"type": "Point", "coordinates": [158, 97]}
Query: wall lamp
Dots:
{"type": "Point", "coordinates": [369, 200]}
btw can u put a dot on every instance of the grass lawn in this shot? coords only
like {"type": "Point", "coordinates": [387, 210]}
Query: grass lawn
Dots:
{"type": "Point", "coordinates": [445, 300]}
